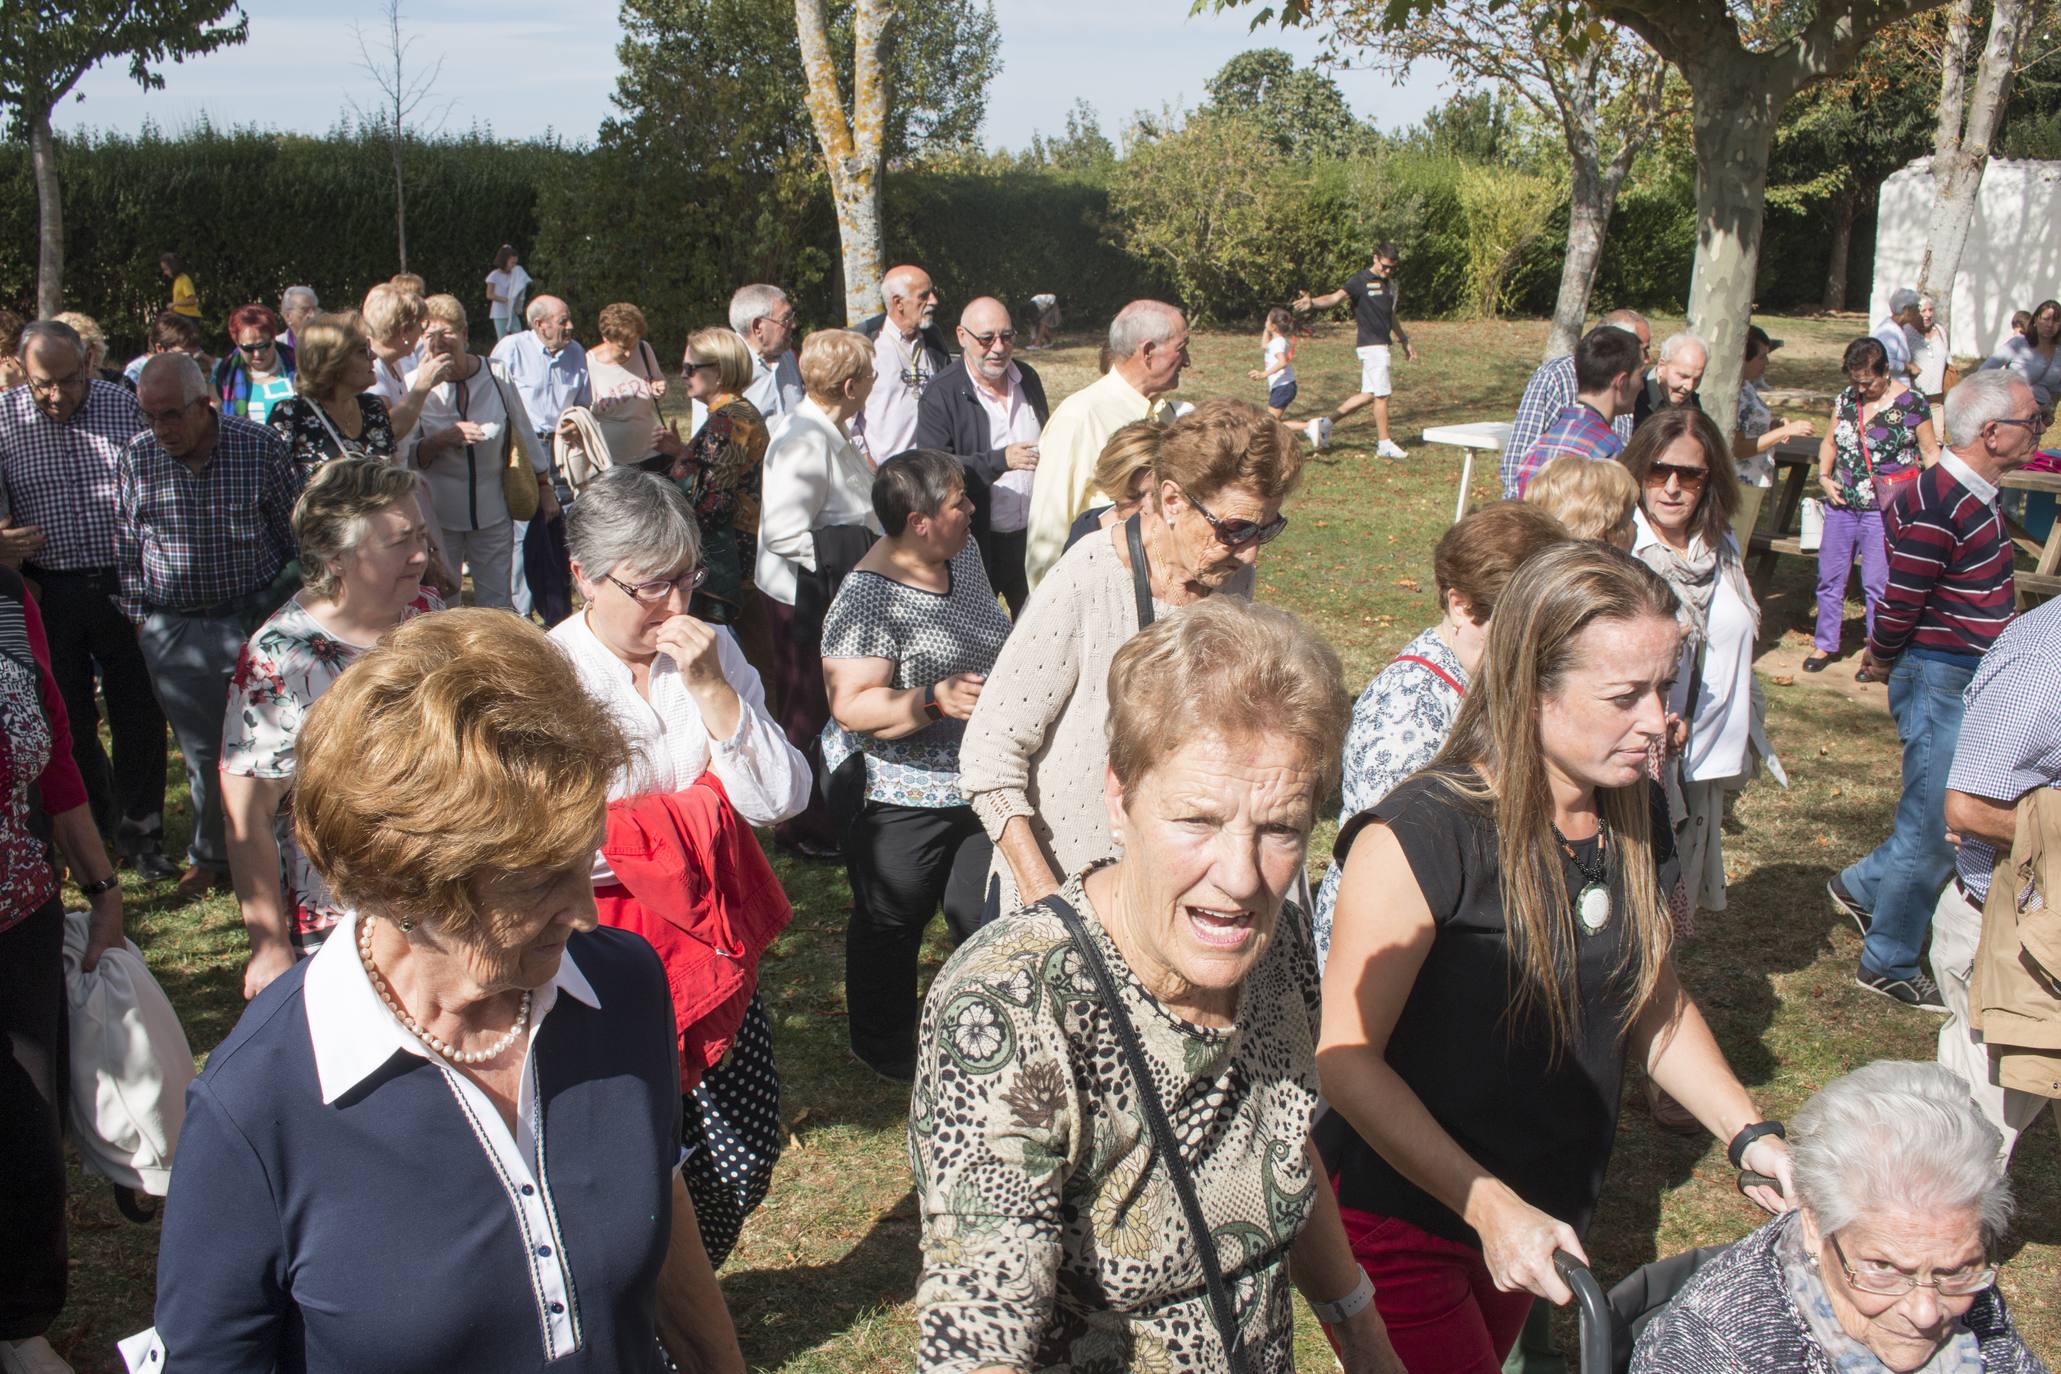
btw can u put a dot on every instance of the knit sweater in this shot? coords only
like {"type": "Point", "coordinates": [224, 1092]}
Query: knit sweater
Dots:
{"type": "Point", "coordinates": [1038, 740]}
{"type": "Point", "coordinates": [1950, 584]}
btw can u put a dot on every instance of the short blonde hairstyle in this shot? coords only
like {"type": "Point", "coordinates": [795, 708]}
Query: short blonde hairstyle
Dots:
{"type": "Point", "coordinates": [726, 349]}
{"type": "Point", "coordinates": [1223, 444]}
{"type": "Point", "coordinates": [323, 348]}
{"type": "Point", "coordinates": [329, 519]}
{"type": "Point", "coordinates": [389, 312]}
{"type": "Point", "coordinates": [411, 282]}
{"type": "Point", "coordinates": [1227, 669]}
{"type": "Point", "coordinates": [449, 756]}
{"type": "Point", "coordinates": [90, 334]}
{"type": "Point", "coordinates": [447, 310]}
{"type": "Point", "coordinates": [622, 324]}
{"type": "Point", "coordinates": [832, 357]}
{"type": "Point", "coordinates": [1591, 499]}
{"type": "Point", "coordinates": [1130, 451]}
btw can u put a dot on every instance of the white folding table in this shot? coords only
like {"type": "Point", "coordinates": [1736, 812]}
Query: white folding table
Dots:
{"type": "Point", "coordinates": [1487, 436]}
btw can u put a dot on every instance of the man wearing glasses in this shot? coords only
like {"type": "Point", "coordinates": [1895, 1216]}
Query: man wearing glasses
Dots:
{"type": "Point", "coordinates": [1950, 594]}
{"type": "Point", "coordinates": [909, 353]}
{"type": "Point", "coordinates": [203, 527]}
{"type": "Point", "coordinates": [764, 318]}
{"type": "Point", "coordinates": [987, 410]}
{"type": "Point", "coordinates": [61, 436]}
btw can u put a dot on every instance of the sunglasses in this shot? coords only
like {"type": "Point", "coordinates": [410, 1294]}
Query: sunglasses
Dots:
{"type": "Point", "coordinates": [1690, 479]}
{"type": "Point", "coordinates": [261, 346]}
{"type": "Point", "coordinates": [987, 341]}
{"type": "Point", "coordinates": [658, 589]}
{"type": "Point", "coordinates": [1236, 534]}
{"type": "Point", "coordinates": [690, 367]}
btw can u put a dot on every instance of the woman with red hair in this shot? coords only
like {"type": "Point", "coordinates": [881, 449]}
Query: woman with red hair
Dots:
{"type": "Point", "coordinates": [258, 372]}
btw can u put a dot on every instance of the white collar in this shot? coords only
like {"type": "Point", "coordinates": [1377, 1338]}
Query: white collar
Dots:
{"type": "Point", "coordinates": [1984, 489]}
{"type": "Point", "coordinates": [352, 1032]}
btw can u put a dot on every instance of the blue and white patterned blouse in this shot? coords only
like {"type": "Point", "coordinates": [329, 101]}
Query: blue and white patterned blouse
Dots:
{"type": "Point", "coordinates": [929, 637]}
{"type": "Point", "coordinates": [1398, 724]}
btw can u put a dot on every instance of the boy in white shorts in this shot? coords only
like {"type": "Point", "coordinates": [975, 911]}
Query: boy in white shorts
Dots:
{"type": "Point", "coordinates": [1372, 292]}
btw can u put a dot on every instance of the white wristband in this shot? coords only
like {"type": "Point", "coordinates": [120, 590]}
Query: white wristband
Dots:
{"type": "Point", "coordinates": [1347, 1307]}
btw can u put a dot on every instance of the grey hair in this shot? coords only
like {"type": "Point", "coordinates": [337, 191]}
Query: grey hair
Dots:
{"type": "Point", "coordinates": [1898, 1138]}
{"type": "Point", "coordinates": [294, 293]}
{"type": "Point", "coordinates": [895, 283]}
{"type": "Point", "coordinates": [634, 520]}
{"type": "Point", "coordinates": [1675, 343]}
{"type": "Point", "coordinates": [183, 370]}
{"type": "Point", "coordinates": [49, 329]}
{"type": "Point", "coordinates": [750, 304]}
{"type": "Point", "coordinates": [1979, 398]}
{"type": "Point", "coordinates": [1141, 323]}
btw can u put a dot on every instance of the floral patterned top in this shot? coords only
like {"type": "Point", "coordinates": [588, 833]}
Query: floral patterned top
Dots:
{"type": "Point", "coordinates": [928, 638]}
{"type": "Point", "coordinates": [1052, 1238]}
{"type": "Point", "coordinates": [35, 754]}
{"type": "Point", "coordinates": [280, 671]}
{"type": "Point", "coordinates": [720, 469]}
{"type": "Point", "coordinates": [313, 438]}
{"type": "Point", "coordinates": [1892, 441]}
{"type": "Point", "coordinates": [1398, 723]}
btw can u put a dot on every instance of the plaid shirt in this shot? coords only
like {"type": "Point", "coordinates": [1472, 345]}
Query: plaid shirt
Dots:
{"type": "Point", "coordinates": [1551, 390]}
{"type": "Point", "coordinates": [2011, 735]}
{"type": "Point", "coordinates": [187, 541]}
{"type": "Point", "coordinates": [1579, 431]}
{"type": "Point", "coordinates": [61, 477]}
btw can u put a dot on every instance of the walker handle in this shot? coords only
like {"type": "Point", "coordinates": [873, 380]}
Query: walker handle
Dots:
{"type": "Point", "coordinates": [1594, 1309]}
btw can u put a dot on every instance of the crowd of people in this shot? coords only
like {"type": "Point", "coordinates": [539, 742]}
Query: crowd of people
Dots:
{"type": "Point", "coordinates": [999, 659]}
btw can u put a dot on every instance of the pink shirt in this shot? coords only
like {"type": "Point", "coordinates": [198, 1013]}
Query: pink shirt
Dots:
{"type": "Point", "coordinates": [1010, 421]}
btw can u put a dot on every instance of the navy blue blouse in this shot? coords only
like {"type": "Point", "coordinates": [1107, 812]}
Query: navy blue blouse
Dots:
{"type": "Point", "coordinates": [376, 1232]}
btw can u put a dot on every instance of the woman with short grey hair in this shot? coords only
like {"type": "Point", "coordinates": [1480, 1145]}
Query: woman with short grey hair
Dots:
{"type": "Point", "coordinates": [691, 706]}
{"type": "Point", "coordinates": [907, 643]}
{"type": "Point", "coordinates": [1889, 1263]}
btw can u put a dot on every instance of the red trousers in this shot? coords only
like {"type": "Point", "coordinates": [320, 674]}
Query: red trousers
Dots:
{"type": "Point", "coordinates": [1443, 1311]}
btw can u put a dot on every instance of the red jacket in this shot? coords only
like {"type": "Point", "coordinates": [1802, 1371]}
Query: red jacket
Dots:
{"type": "Point", "coordinates": [696, 885]}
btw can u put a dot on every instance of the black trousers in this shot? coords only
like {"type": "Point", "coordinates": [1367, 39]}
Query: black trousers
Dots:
{"type": "Point", "coordinates": [1003, 555]}
{"type": "Point", "coordinates": [85, 630]}
{"type": "Point", "coordinates": [547, 568]}
{"type": "Point", "coordinates": [34, 1079]}
{"type": "Point", "coordinates": [905, 862]}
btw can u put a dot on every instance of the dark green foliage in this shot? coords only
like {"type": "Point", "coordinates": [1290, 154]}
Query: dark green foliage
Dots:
{"type": "Point", "coordinates": [1300, 110]}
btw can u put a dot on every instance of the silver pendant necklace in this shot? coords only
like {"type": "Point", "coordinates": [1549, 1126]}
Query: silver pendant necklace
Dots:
{"type": "Point", "coordinates": [1592, 903]}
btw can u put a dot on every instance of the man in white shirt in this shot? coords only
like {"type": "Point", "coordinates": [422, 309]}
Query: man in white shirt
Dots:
{"type": "Point", "coordinates": [1900, 335]}
{"type": "Point", "coordinates": [764, 318]}
{"type": "Point", "coordinates": [908, 354]}
{"type": "Point", "coordinates": [1148, 348]}
{"type": "Point", "coordinates": [548, 368]}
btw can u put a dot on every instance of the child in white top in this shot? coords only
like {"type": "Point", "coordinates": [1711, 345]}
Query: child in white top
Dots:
{"type": "Point", "coordinates": [1277, 369]}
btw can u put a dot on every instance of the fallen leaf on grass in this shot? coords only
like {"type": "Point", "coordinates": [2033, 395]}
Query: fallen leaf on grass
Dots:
{"type": "Point", "coordinates": [1409, 584]}
{"type": "Point", "coordinates": [1784, 680]}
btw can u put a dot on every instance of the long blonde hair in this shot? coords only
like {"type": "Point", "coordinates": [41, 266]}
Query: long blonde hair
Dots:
{"type": "Point", "coordinates": [1495, 761]}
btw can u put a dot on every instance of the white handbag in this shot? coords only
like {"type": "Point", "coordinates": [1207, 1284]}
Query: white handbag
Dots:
{"type": "Point", "coordinates": [1813, 525]}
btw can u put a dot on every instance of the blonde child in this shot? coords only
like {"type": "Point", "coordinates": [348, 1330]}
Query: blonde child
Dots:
{"type": "Point", "coordinates": [1593, 499]}
{"type": "Point", "coordinates": [1277, 368]}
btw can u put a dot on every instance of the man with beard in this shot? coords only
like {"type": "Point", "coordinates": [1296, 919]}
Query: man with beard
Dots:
{"type": "Point", "coordinates": [908, 354]}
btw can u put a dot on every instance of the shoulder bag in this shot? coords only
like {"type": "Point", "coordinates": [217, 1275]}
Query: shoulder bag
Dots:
{"type": "Point", "coordinates": [1164, 1143]}
{"type": "Point", "coordinates": [1887, 486]}
{"type": "Point", "coordinates": [518, 474]}
{"type": "Point", "coordinates": [1141, 574]}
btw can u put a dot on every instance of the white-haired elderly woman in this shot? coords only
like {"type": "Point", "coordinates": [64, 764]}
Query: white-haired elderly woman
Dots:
{"type": "Point", "coordinates": [680, 690]}
{"type": "Point", "coordinates": [1888, 1264]}
{"type": "Point", "coordinates": [364, 550]}
{"type": "Point", "coordinates": [1146, 1032]}
{"type": "Point", "coordinates": [296, 304]}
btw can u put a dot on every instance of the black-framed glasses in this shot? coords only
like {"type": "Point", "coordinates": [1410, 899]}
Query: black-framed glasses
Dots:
{"type": "Point", "coordinates": [1691, 479]}
{"type": "Point", "coordinates": [1885, 1281]}
{"type": "Point", "coordinates": [165, 417]}
{"type": "Point", "coordinates": [1236, 534]}
{"type": "Point", "coordinates": [259, 347]}
{"type": "Point", "coordinates": [688, 367]}
{"type": "Point", "coordinates": [659, 588]}
{"type": "Point", "coordinates": [987, 341]}
{"type": "Point", "coordinates": [51, 386]}
{"type": "Point", "coordinates": [2031, 424]}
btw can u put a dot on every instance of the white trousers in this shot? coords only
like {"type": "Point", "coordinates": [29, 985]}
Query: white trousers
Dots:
{"type": "Point", "coordinates": [1956, 930]}
{"type": "Point", "coordinates": [487, 553]}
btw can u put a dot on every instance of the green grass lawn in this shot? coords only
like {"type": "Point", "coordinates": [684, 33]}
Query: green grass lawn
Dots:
{"type": "Point", "coordinates": [822, 1278]}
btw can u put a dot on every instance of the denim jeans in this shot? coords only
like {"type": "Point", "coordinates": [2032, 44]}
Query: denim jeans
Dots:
{"type": "Point", "coordinates": [1899, 883]}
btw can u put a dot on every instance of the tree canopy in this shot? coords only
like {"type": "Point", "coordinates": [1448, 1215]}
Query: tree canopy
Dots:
{"type": "Point", "coordinates": [1300, 111]}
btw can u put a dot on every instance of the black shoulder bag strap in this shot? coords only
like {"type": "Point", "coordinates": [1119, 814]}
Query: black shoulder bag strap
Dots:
{"type": "Point", "coordinates": [1164, 1144]}
{"type": "Point", "coordinates": [1141, 574]}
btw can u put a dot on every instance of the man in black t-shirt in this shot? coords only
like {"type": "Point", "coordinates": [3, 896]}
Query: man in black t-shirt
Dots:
{"type": "Point", "coordinates": [1372, 292]}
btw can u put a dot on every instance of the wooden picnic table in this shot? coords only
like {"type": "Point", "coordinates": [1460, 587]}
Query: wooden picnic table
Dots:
{"type": "Point", "coordinates": [1796, 469]}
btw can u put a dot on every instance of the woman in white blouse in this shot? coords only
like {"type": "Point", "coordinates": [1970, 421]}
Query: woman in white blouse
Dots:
{"type": "Point", "coordinates": [815, 481]}
{"type": "Point", "coordinates": [689, 704]}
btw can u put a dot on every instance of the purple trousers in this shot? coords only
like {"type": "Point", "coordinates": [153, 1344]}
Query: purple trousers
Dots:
{"type": "Point", "coordinates": [1848, 531]}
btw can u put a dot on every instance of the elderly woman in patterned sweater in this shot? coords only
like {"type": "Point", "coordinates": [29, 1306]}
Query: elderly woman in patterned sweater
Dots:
{"type": "Point", "coordinates": [1114, 1090]}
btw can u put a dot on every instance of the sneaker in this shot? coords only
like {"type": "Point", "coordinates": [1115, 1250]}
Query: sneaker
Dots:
{"type": "Point", "coordinates": [1315, 436]}
{"type": "Point", "coordinates": [1389, 448]}
{"type": "Point", "coordinates": [32, 1356]}
{"type": "Point", "coordinates": [1917, 991]}
{"type": "Point", "coordinates": [1848, 903]}
{"type": "Point", "coordinates": [1322, 424]}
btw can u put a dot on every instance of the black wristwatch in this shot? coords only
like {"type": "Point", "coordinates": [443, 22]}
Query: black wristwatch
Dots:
{"type": "Point", "coordinates": [107, 884]}
{"type": "Point", "coordinates": [1736, 1151]}
{"type": "Point", "coordinates": [930, 706]}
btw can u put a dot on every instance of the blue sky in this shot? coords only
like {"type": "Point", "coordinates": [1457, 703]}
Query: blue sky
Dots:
{"type": "Point", "coordinates": [523, 66]}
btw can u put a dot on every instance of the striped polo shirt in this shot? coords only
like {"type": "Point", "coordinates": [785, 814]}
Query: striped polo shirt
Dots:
{"type": "Point", "coordinates": [1950, 585]}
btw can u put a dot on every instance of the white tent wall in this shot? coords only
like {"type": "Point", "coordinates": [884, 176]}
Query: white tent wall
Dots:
{"type": "Point", "coordinates": [2013, 260]}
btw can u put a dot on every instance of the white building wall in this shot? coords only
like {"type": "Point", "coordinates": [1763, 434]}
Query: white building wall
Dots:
{"type": "Point", "coordinates": [2013, 260]}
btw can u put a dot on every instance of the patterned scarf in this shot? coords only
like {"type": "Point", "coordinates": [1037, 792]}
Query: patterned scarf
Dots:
{"type": "Point", "coordinates": [1694, 575]}
{"type": "Point", "coordinates": [1960, 1353]}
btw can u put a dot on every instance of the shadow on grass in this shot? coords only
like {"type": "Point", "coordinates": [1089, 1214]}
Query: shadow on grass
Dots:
{"type": "Point", "coordinates": [785, 1311]}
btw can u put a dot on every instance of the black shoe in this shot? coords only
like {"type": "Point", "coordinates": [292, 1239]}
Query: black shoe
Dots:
{"type": "Point", "coordinates": [151, 866]}
{"type": "Point", "coordinates": [1917, 991]}
{"type": "Point", "coordinates": [1846, 902]}
{"type": "Point", "coordinates": [900, 1071]}
{"type": "Point", "coordinates": [1817, 663]}
{"type": "Point", "coordinates": [809, 851]}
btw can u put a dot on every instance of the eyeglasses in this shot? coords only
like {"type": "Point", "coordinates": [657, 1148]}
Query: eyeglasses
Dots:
{"type": "Point", "coordinates": [1236, 534]}
{"type": "Point", "coordinates": [165, 417]}
{"type": "Point", "coordinates": [987, 341]}
{"type": "Point", "coordinates": [50, 386]}
{"type": "Point", "coordinates": [2031, 425]}
{"type": "Point", "coordinates": [259, 347]}
{"type": "Point", "coordinates": [1887, 1281]}
{"type": "Point", "coordinates": [658, 589]}
{"type": "Point", "coordinates": [1691, 479]}
{"type": "Point", "coordinates": [688, 366]}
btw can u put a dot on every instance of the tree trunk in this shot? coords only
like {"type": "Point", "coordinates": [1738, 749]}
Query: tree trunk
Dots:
{"type": "Point", "coordinates": [1733, 122]}
{"type": "Point", "coordinates": [1843, 206]}
{"type": "Point", "coordinates": [1961, 150]}
{"type": "Point", "coordinates": [400, 208]}
{"type": "Point", "coordinates": [50, 217]}
{"type": "Point", "coordinates": [851, 146]}
{"type": "Point", "coordinates": [1588, 220]}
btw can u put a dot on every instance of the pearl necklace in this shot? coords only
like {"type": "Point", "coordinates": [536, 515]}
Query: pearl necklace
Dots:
{"type": "Point", "coordinates": [393, 1004]}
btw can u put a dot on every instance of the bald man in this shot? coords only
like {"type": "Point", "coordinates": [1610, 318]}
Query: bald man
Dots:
{"type": "Point", "coordinates": [987, 410]}
{"type": "Point", "coordinates": [908, 354]}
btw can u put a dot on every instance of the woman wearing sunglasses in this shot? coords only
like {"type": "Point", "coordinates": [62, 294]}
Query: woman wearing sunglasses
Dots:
{"type": "Point", "coordinates": [1033, 758]}
{"type": "Point", "coordinates": [258, 372]}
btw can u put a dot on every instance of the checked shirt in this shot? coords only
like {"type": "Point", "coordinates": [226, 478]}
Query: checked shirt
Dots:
{"type": "Point", "coordinates": [60, 478]}
{"type": "Point", "coordinates": [188, 541]}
